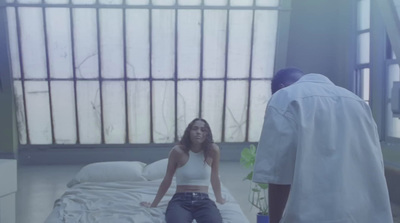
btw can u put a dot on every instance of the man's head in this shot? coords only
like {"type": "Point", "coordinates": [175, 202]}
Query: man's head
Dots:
{"type": "Point", "coordinates": [284, 78]}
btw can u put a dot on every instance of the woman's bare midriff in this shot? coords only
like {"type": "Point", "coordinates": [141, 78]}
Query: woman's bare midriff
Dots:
{"type": "Point", "coordinates": [191, 188]}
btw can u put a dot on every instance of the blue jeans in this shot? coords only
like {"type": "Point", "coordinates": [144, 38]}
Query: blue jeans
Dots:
{"type": "Point", "coordinates": [184, 207]}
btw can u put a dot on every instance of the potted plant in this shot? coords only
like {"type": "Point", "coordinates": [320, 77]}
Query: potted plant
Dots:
{"type": "Point", "coordinates": [257, 191]}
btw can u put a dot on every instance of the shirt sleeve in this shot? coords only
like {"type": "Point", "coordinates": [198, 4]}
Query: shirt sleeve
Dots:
{"type": "Point", "coordinates": [276, 150]}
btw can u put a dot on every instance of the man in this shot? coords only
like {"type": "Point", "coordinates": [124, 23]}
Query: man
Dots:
{"type": "Point", "coordinates": [319, 152]}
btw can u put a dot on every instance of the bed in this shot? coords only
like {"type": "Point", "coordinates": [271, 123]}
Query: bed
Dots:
{"type": "Point", "coordinates": [107, 192]}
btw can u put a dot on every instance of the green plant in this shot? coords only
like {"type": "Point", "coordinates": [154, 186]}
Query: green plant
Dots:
{"type": "Point", "coordinates": [258, 192]}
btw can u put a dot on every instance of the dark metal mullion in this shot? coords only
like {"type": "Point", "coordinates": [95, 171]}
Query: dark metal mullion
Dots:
{"type": "Point", "coordinates": [201, 62]}
{"type": "Point", "coordinates": [388, 49]}
{"type": "Point", "coordinates": [159, 79]}
{"type": "Point", "coordinates": [125, 73]}
{"type": "Point", "coordinates": [21, 64]}
{"type": "Point", "coordinates": [176, 75]}
{"type": "Point", "coordinates": [48, 73]}
{"type": "Point", "coordinates": [100, 75]}
{"type": "Point", "coordinates": [390, 62]}
{"type": "Point", "coordinates": [151, 72]}
{"type": "Point", "coordinates": [368, 30]}
{"type": "Point", "coordinates": [74, 73]}
{"type": "Point", "coordinates": [358, 82]}
{"type": "Point", "coordinates": [363, 66]}
{"type": "Point", "coordinates": [149, 6]}
{"type": "Point", "coordinates": [250, 76]}
{"type": "Point", "coordinates": [226, 73]}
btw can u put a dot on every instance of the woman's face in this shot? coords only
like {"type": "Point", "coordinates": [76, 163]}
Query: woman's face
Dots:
{"type": "Point", "coordinates": [198, 132]}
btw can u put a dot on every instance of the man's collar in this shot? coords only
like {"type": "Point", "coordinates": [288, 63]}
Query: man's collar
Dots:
{"type": "Point", "coordinates": [314, 77]}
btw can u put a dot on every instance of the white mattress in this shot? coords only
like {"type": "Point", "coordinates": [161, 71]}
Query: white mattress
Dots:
{"type": "Point", "coordinates": [119, 202]}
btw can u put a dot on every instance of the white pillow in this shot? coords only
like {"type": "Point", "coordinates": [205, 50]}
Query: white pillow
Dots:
{"type": "Point", "coordinates": [109, 171]}
{"type": "Point", "coordinates": [155, 170]}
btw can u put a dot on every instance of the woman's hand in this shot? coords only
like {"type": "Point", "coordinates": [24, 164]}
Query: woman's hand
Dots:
{"type": "Point", "coordinates": [221, 201]}
{"type": "Point", "coordinates": [145, 204]}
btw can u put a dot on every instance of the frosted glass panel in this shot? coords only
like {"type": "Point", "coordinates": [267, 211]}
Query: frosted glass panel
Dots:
{"type": "Point", "coordinates": [163, 43]}
{"type": "Point", "coordinates": [239, 43]}
{"type": "Point", "coordinates": [29, 1]}
{"type": "Point", "coordinates": [393, 124]}
{"type": "Point", "coordinates": [57, 1]}
{"type": "Point", "coordinates": [189, 2]}
{"type": "Point", "coordinates": [139, 111]}
{"type": "Point", "coordinates": [20, 113]}
{"type": "Point", "coordinates": [271, 3]}
{"type": "Point", "coordinates": [13, 42]}
{"type": "Point", "coordinates": [83, 1]}
{"type": "Point", "coordinates": [137, 2]}
{"type": "Point", "coordinates": [363, 48]}
{"type": "Point", "coordinates": [85, 36]}
{"type": "Point", "coordinates": [163, 2]}
{"type": "Point", "coordinates": [363, 14]}
{"type": "Point", "coordinates": [112, 54]}
{"type": "Point", "coordinates": [242, 2]}
{"type": "Point", "coordinates": [265, 26]}
{"type": "Point", "coordinates": [9, 1]}
{"type": "Point", "coordinates": [175, 44]}
{"type": "Point", "coordinates": [212, 106]}
{"type": "Point", "coordinates": [38, 112]}
{"type": "Point", "coordinates": [163, 111]}
{"type": "Point", "coordinates": [137, 43]}
{"type": "Point", "coordinates": [397, 7]}
{"type": "Point", "coordinates": [188, 104]}
{"type": "Point", "coordinates": [63, 105]}
{"type": "Point", "coordinates": [111, 2]}
{"type": "Point", "coordinates": [235, 111]}
{"type": "Point", "coordinates": [216, 2]}
{"type": "Point", "coordinates": [89, 112]}
{"type": "Point", "coordinates": [365, 77]}
{"type": "Point", "coordinates": [189, 22]}
{"type": "Point", "coordinates": [114, 111]}
{"type": "Point", "coordinates": [32, 41]}
{"type": "Point", "coordinates": [260, 93]}
{"type": "Point", "coordinates": [214, 43]}
{"type": "Point", "coordinates": [59, 42]}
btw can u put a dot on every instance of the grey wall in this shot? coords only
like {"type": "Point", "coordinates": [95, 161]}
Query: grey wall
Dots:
{"type": "Point", "coordinates": [322, 37]}
{"type": "Point", "coordinates": [8, 137]}
{"type": "Point", "coordinates": [81, 154]}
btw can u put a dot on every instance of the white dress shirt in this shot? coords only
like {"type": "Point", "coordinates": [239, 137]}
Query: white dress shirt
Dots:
{"type": "Point", "coordinates": [322, 140]}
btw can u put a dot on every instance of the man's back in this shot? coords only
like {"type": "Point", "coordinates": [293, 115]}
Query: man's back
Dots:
{"type": "Point", "coordinates": [332, 154]}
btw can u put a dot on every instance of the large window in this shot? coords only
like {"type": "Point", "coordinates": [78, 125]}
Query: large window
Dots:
{"type": "Point", "coordinates": [362, 73]}
{"type": "Point", "coordinates": [393, 74]}
{"type": "Point", "coordinates": [137, 71]}
{"type": "Point", "coordinates": [386, 67]}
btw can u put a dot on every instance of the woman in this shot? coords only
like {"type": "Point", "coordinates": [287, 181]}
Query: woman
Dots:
{"type": "Point", "coordinates": [194, 161]}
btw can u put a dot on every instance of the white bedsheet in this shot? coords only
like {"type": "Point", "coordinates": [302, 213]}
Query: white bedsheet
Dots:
{"type": "Point", "coordinates": [119, 202]}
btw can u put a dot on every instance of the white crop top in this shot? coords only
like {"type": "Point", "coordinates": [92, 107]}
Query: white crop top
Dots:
{"type": "Point", "coordinates": [194, 172]}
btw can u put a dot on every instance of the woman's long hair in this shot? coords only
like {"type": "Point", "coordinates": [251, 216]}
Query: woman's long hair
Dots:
{"type": "Point", "coordinates": [186, 142]}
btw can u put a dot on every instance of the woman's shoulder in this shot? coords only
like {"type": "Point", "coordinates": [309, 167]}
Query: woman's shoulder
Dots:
{"type": "Point", "coordinates": [214, 148]}
{"type": "Point", "coordinates": [177, 150]}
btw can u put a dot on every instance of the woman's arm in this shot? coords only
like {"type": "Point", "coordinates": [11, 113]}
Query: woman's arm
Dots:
{"type": "Point", "coordinates": [215, 182]}
{"type": "Point", "coordinates": [166, 182]}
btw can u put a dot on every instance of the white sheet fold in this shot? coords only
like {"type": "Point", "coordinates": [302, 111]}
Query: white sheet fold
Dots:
{"type": "Point", "coordinates": [119, 202]}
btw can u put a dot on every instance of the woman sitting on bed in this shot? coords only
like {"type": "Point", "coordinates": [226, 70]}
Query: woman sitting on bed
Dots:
{"type": "Point", "coordinates": [194, 161]}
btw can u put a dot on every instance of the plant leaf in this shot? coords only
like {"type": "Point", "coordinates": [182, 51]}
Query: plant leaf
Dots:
{"type": "Point", "coordinates": [249, 176]}
{"type": "Point", "coordinates": [263, 186]}
{"type": "Point", "coordinates": [248, 155]}
{"type": "Point", "coordinates": [255, 190]}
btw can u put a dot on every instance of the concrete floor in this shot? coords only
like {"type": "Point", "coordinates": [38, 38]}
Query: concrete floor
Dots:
{"type": "Point", "coordinates": [40, 186]}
